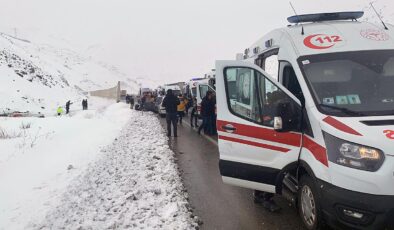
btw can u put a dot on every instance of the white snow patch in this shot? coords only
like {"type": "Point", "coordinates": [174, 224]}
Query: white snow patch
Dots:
{"type": "Point", "coordinates": [68, 180]}
{"type": "Point", "coordinates": [134, 185]}
{"type": "Point", "coordinates": [38, 164]}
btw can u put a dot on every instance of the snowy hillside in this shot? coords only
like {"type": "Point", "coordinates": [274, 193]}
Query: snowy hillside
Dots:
{"type": "Point", "coordinates": [38, 77]}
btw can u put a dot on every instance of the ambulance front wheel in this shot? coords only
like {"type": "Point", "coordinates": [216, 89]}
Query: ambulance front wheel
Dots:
{"type": "Point", "coordinates": [308, 204]}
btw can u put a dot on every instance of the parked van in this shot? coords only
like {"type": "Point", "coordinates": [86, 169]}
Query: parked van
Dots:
{"type": "Point", "coordinates": [320, 132]}
{"type": "Point", "coordinates": [176, 90]}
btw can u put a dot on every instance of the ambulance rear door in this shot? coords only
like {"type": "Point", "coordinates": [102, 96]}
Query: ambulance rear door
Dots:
{"type": "Point", "coordinates": [252, 152]}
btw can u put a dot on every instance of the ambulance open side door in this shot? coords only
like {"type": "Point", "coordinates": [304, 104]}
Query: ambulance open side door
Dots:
{"type": "Point", "coordinates": [249, 105]}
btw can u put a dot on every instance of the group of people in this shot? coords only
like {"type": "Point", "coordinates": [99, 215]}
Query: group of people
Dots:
{"type": "Point", "coordinates": [60, 111]}
{"type": "Point", "coordinates": [177, 106]}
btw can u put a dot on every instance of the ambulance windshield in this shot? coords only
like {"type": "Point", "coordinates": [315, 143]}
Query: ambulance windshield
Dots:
{"type": "Point", "coordinates": [359, 83]}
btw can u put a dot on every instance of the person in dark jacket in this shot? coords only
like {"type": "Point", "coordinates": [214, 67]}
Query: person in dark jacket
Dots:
{"type": "Point", "coordinates": [131, 102]}
{"type": "Point", "coordinates": [193, 115]}
{"type": "Point", "coordinates": [84, 104]}
{"type": "Point", "coordinates": [207, 112]}
{"type": "Point", "coordinates": [68, 103]}
{"type": "Point", "coordinates": [171, 102]}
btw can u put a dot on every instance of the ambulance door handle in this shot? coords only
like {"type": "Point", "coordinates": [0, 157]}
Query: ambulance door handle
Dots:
{"type": "Point", "coordinates": [229, 128]}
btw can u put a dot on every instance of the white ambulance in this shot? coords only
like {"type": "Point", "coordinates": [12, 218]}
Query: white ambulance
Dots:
{"type": "Point", "coordinates": [208, 83]}
{"type": "Point", "coordinates": [320, 132]}
{"type": "Point", "coordinates": [191, 87]}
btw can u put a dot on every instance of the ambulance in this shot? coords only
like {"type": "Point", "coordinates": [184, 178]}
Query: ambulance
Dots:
{"type": "Point", "coordinates": [208, 83]}
{"type": "Point", "coordinates": [191, 87]}
{"type": "Point", "coordinates": [321, 131]}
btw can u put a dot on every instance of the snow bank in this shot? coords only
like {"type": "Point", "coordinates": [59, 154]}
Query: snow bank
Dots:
{"type": "Point", "coordinates": [134, 185]}
{"type": "Point", "coordinates": [39, 162]}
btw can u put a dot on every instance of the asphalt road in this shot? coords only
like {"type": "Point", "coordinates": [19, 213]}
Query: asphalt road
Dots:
{"type": "Point", "coordinates": [221, 206]}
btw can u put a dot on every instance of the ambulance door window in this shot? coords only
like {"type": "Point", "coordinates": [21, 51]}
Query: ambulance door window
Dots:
{"type": "Point", "coordinates": [270, 95]}
{"type": "Point", "coordinates": [242, 93]}
{"type": "Point", "coordinates": [203, 90]}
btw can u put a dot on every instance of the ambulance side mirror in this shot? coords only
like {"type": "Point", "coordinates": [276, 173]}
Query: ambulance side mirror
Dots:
{"type": "Point", "coordinates": [288, 116]}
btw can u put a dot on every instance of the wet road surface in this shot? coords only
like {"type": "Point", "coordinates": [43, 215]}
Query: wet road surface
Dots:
{"type": "Point", "coordinates": [221, 206]}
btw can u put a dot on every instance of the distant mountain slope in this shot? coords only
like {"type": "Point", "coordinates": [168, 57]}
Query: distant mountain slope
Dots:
{"type": "Point", "coordinates": [37, 77]}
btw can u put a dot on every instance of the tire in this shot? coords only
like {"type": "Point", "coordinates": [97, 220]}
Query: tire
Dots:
{"type": "Point", "coordinates": [309, 204]}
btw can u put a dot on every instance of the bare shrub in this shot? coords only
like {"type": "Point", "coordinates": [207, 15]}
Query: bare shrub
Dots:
{"type": "Point", "coordinates": [8, 135]}
{"type": "Point", "coordinates": [25, 125]}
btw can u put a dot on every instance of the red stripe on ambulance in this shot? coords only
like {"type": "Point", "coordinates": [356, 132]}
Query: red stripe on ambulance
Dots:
{"type": "Point", "coordinates": [318, 151]}
{"type": "Point", "coordinates": [340, 126]}
{"type": "Point", "coordinates": [292, 139]}
{"type": "Point", "coordinates": [256, 144]}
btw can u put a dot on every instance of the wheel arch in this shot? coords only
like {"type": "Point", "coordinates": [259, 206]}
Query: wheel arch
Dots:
{"type": "Point", "coordinates": [297, 169]}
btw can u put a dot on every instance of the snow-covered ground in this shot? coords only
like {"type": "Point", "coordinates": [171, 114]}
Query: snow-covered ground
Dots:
{"type": "Point", "coordinates": [38, 73]}
{"type": "Point", "coordinates": [105, 167]}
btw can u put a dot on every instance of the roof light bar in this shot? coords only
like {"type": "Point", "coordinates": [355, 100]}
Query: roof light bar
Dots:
{"type": "Point", "coordinates": [326, 17]}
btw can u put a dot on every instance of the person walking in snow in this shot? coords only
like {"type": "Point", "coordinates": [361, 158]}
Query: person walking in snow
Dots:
{"type": "Point", "coordinates": [84, 104]}
{"type": "Point", "coordinates": [59, 110]}
{"type": "Point", "coordinates": [171, 102]}
{"type": "Point", "coordinates": [68, 103]}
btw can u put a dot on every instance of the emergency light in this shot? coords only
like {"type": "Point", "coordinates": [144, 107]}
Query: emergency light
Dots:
{"type": "Point", "coordinates": [325, 17]}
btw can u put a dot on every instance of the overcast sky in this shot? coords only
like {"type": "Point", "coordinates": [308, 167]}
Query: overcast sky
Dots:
{"type": "Point", "coordinates": [164, 40]}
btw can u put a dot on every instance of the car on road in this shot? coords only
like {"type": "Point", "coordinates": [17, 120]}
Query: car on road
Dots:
{"type": "Point", "coordinates": [159, 106]}
{"type": "Point", "coordinates": [321, 131]}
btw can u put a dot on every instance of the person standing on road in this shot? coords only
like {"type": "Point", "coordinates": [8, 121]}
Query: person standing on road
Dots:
{"type": "Point", "coordinates": [193, 114]}
{"type": "Point", "coordinates": [213, 116]}
{"type": "Point", "coordinates": [171, 102]}
{"type": "Point", "coordinates": [189, 104]}
{"type": "Point", "coordinates": [207, 112]}
{"type": "Point", "coordinates": [181, 108]}
{"type": "Point", "coordinates": [131, 102]}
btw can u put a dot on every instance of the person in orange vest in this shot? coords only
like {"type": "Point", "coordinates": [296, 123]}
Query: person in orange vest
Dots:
{"type": "Point", "coordinates": [181, 107]}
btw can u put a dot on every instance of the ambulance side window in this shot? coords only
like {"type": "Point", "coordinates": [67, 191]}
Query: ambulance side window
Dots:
{"type": "Point", "coordinates": [203, 90]}
{"type": "Point", "coordinates": [242, 93]}
{"type": "Point", "coordinates": [269, 62]}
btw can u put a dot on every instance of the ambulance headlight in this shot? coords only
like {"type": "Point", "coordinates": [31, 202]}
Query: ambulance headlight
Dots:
{"type": "Point", "coordinates": [353, 155]}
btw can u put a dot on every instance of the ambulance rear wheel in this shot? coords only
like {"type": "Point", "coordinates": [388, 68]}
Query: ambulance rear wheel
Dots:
{"type": "Point", "coordinates": [308, 204]}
